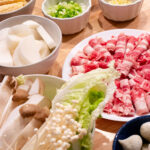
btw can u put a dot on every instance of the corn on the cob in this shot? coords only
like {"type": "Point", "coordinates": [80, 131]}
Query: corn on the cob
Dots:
{"type": "Point", "coordinates": [11, 7]}
{"type": "Point", "coordinates": [5, 2]}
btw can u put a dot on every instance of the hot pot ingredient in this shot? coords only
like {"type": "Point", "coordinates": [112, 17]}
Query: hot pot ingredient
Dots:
{"type": "Point", "coordinates": [132, 60]}
{"type": "Point", "coordinates": [74, 111]}
{"type": "Point", "coordinates": [133, 142]}
{"type": "Point", "coordinates": [145, 131]}
{"type": "Point", "coordinates": [120, 2]}
{"type": "Point", "coordinates": [11, 5]}
{"type": "Point", "coordinates": [24, 44]}
{"type": "Point", "coordinates": [66, 9]}
{"type": "Point", "coordinates": [23, 111]}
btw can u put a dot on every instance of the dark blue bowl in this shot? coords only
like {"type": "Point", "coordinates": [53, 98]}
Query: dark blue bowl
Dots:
{"type": "Point", "coordinates": [128, 129]}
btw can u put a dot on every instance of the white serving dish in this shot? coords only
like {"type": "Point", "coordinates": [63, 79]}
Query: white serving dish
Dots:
{"type": "Point", "coordinates": [44, 65]}
{"type": "Point", "coordinates": [51, 84]}
{"type": "Point", "coordinates": [66, 71]}
{"type": "Point", "coordinates": [121, 12]}
{"type": "Point", "coordinates": [27, 9]}
{"type": "Point", "coordinates": [69, 25]}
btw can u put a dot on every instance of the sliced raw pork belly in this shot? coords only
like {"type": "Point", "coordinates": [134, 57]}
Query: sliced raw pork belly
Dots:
{"type": "Point", "coordinates": [76, 61]}
{"type": "Point", "coordinates": [141, 82]}
{"type": "Point", "coordinates": [144, 57]}
{"type": "Point", "coordinates": [96, 41]}
{"type": "Point", "coordinates": [121, 104]}
{"type": "Point", "coordinates": [138, 98]}
{"type": "Point", "coordinates": [120, 46]}
{"type": "Point", "coordinates": [122, 109]}
{"type": "Point", "coordinates": [132, 59]}
{"type": "Point", "coordinates": [140, 48]}
{"type": "Point", "coordinates": [131, 43]}
{"type": "Point", "coordinates": [108, 106]}
{"type": "Point", "coordinates": [124, 67]}
{"type": "Point", "coordinates": [99, 52]}
{"type": "Point", "coordinates": [111, 44]}
{"type": "Point", "coordinates": [144, 71]}
{"type": "Point", "coordinates": [133, 55]}
{"type": "Point", "coordinates": [84, 68]}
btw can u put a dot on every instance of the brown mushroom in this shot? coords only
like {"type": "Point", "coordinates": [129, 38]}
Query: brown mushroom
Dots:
{"type": "Point", "coordinates": [20, 95]}
{"type": "Point", "coordinates": [42, 114]}
{"type": "Point", "coordinates": [28, 110]}
{"type": "Point", "coordinates": [12, 82]}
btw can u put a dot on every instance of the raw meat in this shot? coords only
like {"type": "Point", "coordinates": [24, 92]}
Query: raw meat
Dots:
{"type": "Point", "coordinates": [120, 46]}
{"type": "Point", "coordinates": [111, 44]}
{"type": "Point", "coordinates": [138, 98]}
{"type": "Point", "coordinates": [132, 59]}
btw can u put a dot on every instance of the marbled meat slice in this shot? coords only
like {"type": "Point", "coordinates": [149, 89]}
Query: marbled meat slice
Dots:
{"type": "Point", "coordinates": [138, 98]}
{"type": "Point", "coordinates": [120, 46]}
{"type": "Point", "coordinates": [111, 44]}
{"type": "Point", "coordinates": [144, 57]}
{"type": "Point", "coordinates": [121, 104]}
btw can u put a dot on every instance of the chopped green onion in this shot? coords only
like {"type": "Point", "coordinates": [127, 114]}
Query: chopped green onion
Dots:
{"type": "Point", "coordinates": [65, 9]}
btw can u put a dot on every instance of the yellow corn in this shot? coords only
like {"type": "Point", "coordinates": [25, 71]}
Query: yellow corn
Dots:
{"type": "Point", "coordinates": [4, 2]}
{"type": "Point", "coordinates": [11, 7]}
{"type": "Point", "coordinates": [120, 2]}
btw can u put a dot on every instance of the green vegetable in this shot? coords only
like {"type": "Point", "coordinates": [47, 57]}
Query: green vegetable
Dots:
{"type": "Point", "coordinates": [65, 9]}
{"type": "Point", "coordinates": [87, 94]}
{"type": "Point", "coordinates": [90, 91]}
{"type": "Point", "coordinates": [93, 99]}
{"type": "Point", "coordinates": [20, 79]}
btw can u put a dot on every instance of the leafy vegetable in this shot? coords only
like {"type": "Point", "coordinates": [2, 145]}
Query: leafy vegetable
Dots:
{"type": "Point", "coordinates": [66, 9]}
{"type": "Point", "coordinates": [85, 93]}
{"type": "Point", "coordinates": [90, 90]}
{"type": "Point", "coordinates": [20, 79]}
{"type": "Point", "coordinates": [89, 105]}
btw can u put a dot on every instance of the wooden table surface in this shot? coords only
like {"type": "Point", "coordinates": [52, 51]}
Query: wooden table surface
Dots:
{"type": "Point", "coordinates": [97, 22]}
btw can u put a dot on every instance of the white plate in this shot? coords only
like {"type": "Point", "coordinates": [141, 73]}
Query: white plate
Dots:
{"type": "Point", "coordinates": [106, 35]}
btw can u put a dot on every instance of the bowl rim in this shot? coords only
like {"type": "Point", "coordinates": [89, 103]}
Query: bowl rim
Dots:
{"type": "Point", "coordinates": [123, 126]}
{"type": "Point", "coordinates": [44, 75]}
{"type": "Point", "coordinates": [53, 51]}
{"type": "Point", "coordinates": [117, 5]}
{"type": "Point", "coordinates": [11, 12]}
{"type": "Point", "coordinates": [54, 18]}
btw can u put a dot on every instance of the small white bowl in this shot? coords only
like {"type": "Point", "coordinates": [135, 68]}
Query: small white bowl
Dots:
{"type": "Point", "coordinates": [120, 12]}
{"type": "Point", "coordinates": [44, 65]}
{"type": "Point", "coordinates": [27, 9]}
{"type": "Point", "coordinates": [69, 25]}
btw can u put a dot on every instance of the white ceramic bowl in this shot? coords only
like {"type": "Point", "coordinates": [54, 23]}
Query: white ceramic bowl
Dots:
{"type": "Point", "coordinates": [51, 84]}
{"type": "Point", "coordinates": [44, 65]}
{"type": "Point", "coordinates": [27, 9]}
{"type": "Point", "coordinates": [69, 25]}
{"type": "Point", "coordinates": [120, 12]}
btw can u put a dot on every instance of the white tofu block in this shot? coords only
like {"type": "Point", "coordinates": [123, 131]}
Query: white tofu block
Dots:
{"type": "Point", "coordinates": [12, 42]}
{"type": "Point", "coordinates": [3, 34]}
{"type": "Point", "coordinates": [5, 56]}
{"type": "Point", "coordinates": [15, 123]}
{"type": "Point", "coordinates": [28, 51]}
{"type": "Point", "coordinates": [31, 24]}
{"type": "Point", "coordinates": [20, 30]}
{"type": "Point", "coordinates": [44, 50]}
{"type": "Point", "coordinates": [36, 35]}
{"type": "Point", "coordinates": [17, 59]}
{"type": "Point", "coordinates": [46, 37]}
